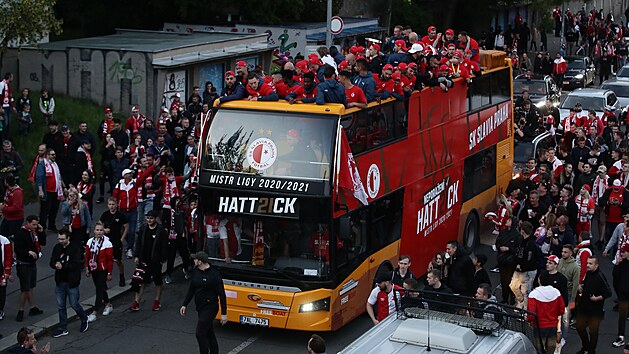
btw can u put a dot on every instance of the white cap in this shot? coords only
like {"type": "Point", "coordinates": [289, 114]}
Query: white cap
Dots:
{"type": "Point", "coordinates": [617, 183]}
{"type": "Point", "coordinates": [127, 171]}
{"type": "Point", "coordinates": [416, 47]}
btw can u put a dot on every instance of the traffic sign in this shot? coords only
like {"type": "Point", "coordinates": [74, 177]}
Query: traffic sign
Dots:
{"type": "Point", "coordinates": [336, 25]}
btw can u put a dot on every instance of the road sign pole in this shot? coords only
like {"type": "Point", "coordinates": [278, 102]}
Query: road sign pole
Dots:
{"type": "Point", "coordinates": [328, 32]}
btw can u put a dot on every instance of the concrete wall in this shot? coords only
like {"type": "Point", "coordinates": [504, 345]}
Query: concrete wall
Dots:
{"type": "Point", "coordinates": [109, 78]}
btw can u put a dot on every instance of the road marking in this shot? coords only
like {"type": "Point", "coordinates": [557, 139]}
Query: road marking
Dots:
{"type": "Point", "coordinates": [243, 345]}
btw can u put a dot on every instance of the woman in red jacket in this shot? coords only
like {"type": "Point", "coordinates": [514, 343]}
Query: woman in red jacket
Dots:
{"type": "Point", "coordinates": [99, 263]}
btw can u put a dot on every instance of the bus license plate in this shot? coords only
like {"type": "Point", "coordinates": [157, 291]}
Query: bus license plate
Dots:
{"type": "Point", "coordinates": [255, 321]}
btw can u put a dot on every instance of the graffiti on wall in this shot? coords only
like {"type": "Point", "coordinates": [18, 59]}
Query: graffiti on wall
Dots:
{"type": "Point", "coordinates": [281, 54]}
{"type": "Point", "coordinates": [120, 70]}
{"type": "Point", "coordinates": [175, 82]}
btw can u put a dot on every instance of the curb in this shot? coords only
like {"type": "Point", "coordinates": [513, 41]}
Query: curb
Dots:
{"type": "Point", "coordinates": [46, 325]}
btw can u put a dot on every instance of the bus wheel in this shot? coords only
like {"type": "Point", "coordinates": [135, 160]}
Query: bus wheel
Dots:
{"type": "Point", "coordinates": [471, 234]}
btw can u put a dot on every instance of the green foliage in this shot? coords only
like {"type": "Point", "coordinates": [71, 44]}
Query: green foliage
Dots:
{"type": "Point", "coordinates": [68, 111]}
{"type": "Point", "coordinates": [27, 22]}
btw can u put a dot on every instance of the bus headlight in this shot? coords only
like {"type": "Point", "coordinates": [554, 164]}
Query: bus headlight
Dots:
{"type": "Point", "coordinates": [319, 305]}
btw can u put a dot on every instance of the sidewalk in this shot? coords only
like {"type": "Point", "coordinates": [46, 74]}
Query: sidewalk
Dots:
{"type": "Point", "coordinates": [44, 293]}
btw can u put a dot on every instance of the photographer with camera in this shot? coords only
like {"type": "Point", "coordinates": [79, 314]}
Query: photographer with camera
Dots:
{"type": "Point", "coordinates": [528, 121]}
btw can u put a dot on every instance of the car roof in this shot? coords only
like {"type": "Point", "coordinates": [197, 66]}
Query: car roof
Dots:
{"type": "Point", "coordinates": [616, 82]}
{"type": "Point", "coordinates": [589, 92]}
{"type": "Point", "coordinates": [533, 78]}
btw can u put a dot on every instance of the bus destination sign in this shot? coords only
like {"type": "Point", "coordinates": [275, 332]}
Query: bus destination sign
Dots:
{"type": "Point", "coordinates": [260, 183]}
{"type": "Point", "coordinates": [278, 206]}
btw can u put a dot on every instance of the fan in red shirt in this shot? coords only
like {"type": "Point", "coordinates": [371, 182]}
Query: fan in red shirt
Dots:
{"type": "Point", "coordinates": [384, 83]}
{"type": "Point", "coordinates": [471, 66]}
{"type": "Point", "coordinates": [559, 68]}
{"type": "Point", "coordinates": [259, 91]}
{"type": "Point", "coordinates": [432, 38]}
{"type": "Point", "coordinates": [457, 69]}
{"type": "Point", "coordinates": [136, 121]}
{"type": "Point", "coordinates": [355, 95]}
{"type": "Point", "coordinates": [276, 82]}
{"type": "Point", "coordinates": [467, 42]}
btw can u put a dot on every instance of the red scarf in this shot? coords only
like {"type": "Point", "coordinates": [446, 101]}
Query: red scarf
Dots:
{"type": "Point", "coordinates": [34, 238]}
{"type": "Point", "coordinates": [84, 188]}
{"type": "Point", "coordinates": [171, 190]}
{"type": "Point", "coordinates": [88, 157]}
{"type": "Point", "coordinates": [108, 126]}
{"type": "Point", "coordinates": [76, 215]}
{"type": "Point", "coordinates": [31, 175]}
{"type": "Point", "coordinates": [7, 96]}
{"type": "Point", "coordinates": [95, 251]}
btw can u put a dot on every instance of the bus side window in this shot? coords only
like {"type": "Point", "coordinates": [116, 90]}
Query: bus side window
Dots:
{"type": "Point", "coordinates": [400, 121]}
{"type": "Point", "coordinates": [479, 92]}
{"type": "Point", "coordinates": [500, 86]}
{"type": "Point", "coordinates": [479, 173]}
{"type": "Point", "coordinates": [386, 220]}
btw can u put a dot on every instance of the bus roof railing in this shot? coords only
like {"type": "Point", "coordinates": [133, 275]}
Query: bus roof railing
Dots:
{"type": "Point", "coordinates": [482, 316]}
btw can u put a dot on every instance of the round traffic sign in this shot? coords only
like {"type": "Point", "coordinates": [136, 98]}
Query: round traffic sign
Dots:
{"type": "Point", "coordinates": [336, 25]}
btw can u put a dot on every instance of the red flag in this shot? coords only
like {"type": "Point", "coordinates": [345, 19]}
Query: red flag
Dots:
{"type": "Point", "coordinates": [347, 176]}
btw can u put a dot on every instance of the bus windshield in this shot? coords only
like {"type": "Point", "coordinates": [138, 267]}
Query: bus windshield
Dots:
{"type": "Point", "coordinates": [270, 144]}
{"type": "Point", "coordinates": [286, 235]}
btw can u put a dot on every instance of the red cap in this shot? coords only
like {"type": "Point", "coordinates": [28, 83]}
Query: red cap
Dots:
{"type": "Point", "coordinates": [376, 46]}
{"type": "Point", "coordinates": [402, 66]}
{"type": "Point", "coordinates": [451, 45]}
{"type": "Point", "coordinates": [358, 57]}
{"type": "Point", "coordinates": [241, 63]}
{"type": "Point", "coordinates": [135, 109]}
{"type": "Point", "coordinates": [164, 110]}
{"type": "Point", "coordinates": [387, 67]}
{"type": "Point", "coordinates": [400, 43]}
{"type": "Point", "coordinates": [443, 67]}
{"type": "Point", "coordinates": [458, 54]}
{"type": "Point", "coordinates": [553, 259]}
{"type": "Point", "coordinates": [412, 65]}
{"type": "Point", "coordinates": [430, 28]}
{"type": "Point", "coordinates": [468, 51]}
{"type": "Point", "coordinates": [353, 49]}
{"type": "Point", "coordinates": [302, 65]}
{"type": "Point", "coordinates": [107, 110]}
{"type": "Point", "coordinates": [343, 64]}
{"type": "Point", "coordinates": [314, 59]}
{"type": "Point", "coordinates": [396, 76]}
{"type": "Point", "coordinates": [294, 133]}
{"type": "Point", "coordinates": [450, 32]}
{"type": "Point", "coordinates": [229, 73]}
{"type": "Point", "coordinates": [587, 187]}
{"type": "Point", "coordinates": [360, 49]}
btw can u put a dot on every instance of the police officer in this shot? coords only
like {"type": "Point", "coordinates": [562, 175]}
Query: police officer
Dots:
{"type": "Point", "coordinates": [206, 285]}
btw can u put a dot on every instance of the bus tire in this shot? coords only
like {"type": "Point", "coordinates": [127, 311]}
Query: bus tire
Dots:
{"type": "Point", "coordinates": [471, 233]}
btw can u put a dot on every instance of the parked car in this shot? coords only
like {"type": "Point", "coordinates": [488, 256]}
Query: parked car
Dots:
{"type": "Point", "coordinates": [620, 88]}
{"type": "Point", "coordinates": [623, 73]}
{"type": "Point", "coordinates": [581, 72]}
{"type": "Point", "coordinates": [590, 98]}
{"type": "Point", "coordinates": [540, 88]}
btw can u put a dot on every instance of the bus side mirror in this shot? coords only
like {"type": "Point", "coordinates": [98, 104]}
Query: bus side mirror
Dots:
{"type": "Point", "coordinates": [345, 228]}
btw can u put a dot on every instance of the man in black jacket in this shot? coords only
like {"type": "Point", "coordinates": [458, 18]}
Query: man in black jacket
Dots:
{"type": "Point", "coordinates": [593, 293]}
{"type": "Point", "coordinates": [621, 277]}
{"type": "Point", "coordinates": [528, 261]}
{"type": "Point", "coordinates": [460, 270]}
{"type": "Point", "coordinates": [150, 252]}
{"type": "Point", "coordinates": [507, 244]}
{"type": "Point", "coordinates": [66, 261]}
{"type": "Point", "coordinates": [27, 250]}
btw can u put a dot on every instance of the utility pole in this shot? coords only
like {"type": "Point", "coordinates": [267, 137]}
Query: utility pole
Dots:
{"type": "Point", "coordinates": [328, 27]}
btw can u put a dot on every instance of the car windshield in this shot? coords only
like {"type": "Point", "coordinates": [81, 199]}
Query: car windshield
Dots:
{"type": "Point", "coordinates": [623, 72]}
{"type": "Point", "coordinates": [595, 103]}
{"type": "Point", "coordinates": [533, 87]}
{"type": "Point", "coordinates": [286, 235]}
{"type": "Point", "coordinates": [619, 90]}
{"type": "Point", "coordinates": [270, 144]}
{"type": "Point", "coordinates": [576, 64]}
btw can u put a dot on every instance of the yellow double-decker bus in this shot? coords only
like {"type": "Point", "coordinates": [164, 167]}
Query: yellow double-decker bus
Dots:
{"type": "Point", "coordinates": [295, 251]}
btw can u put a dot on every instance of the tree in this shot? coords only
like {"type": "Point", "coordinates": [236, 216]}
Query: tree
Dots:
{"type": "Point", "coordinates": [26, 22]}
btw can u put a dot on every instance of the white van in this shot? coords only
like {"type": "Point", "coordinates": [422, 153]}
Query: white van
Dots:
{"type": "Point", "coordinates": [423, 331]}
